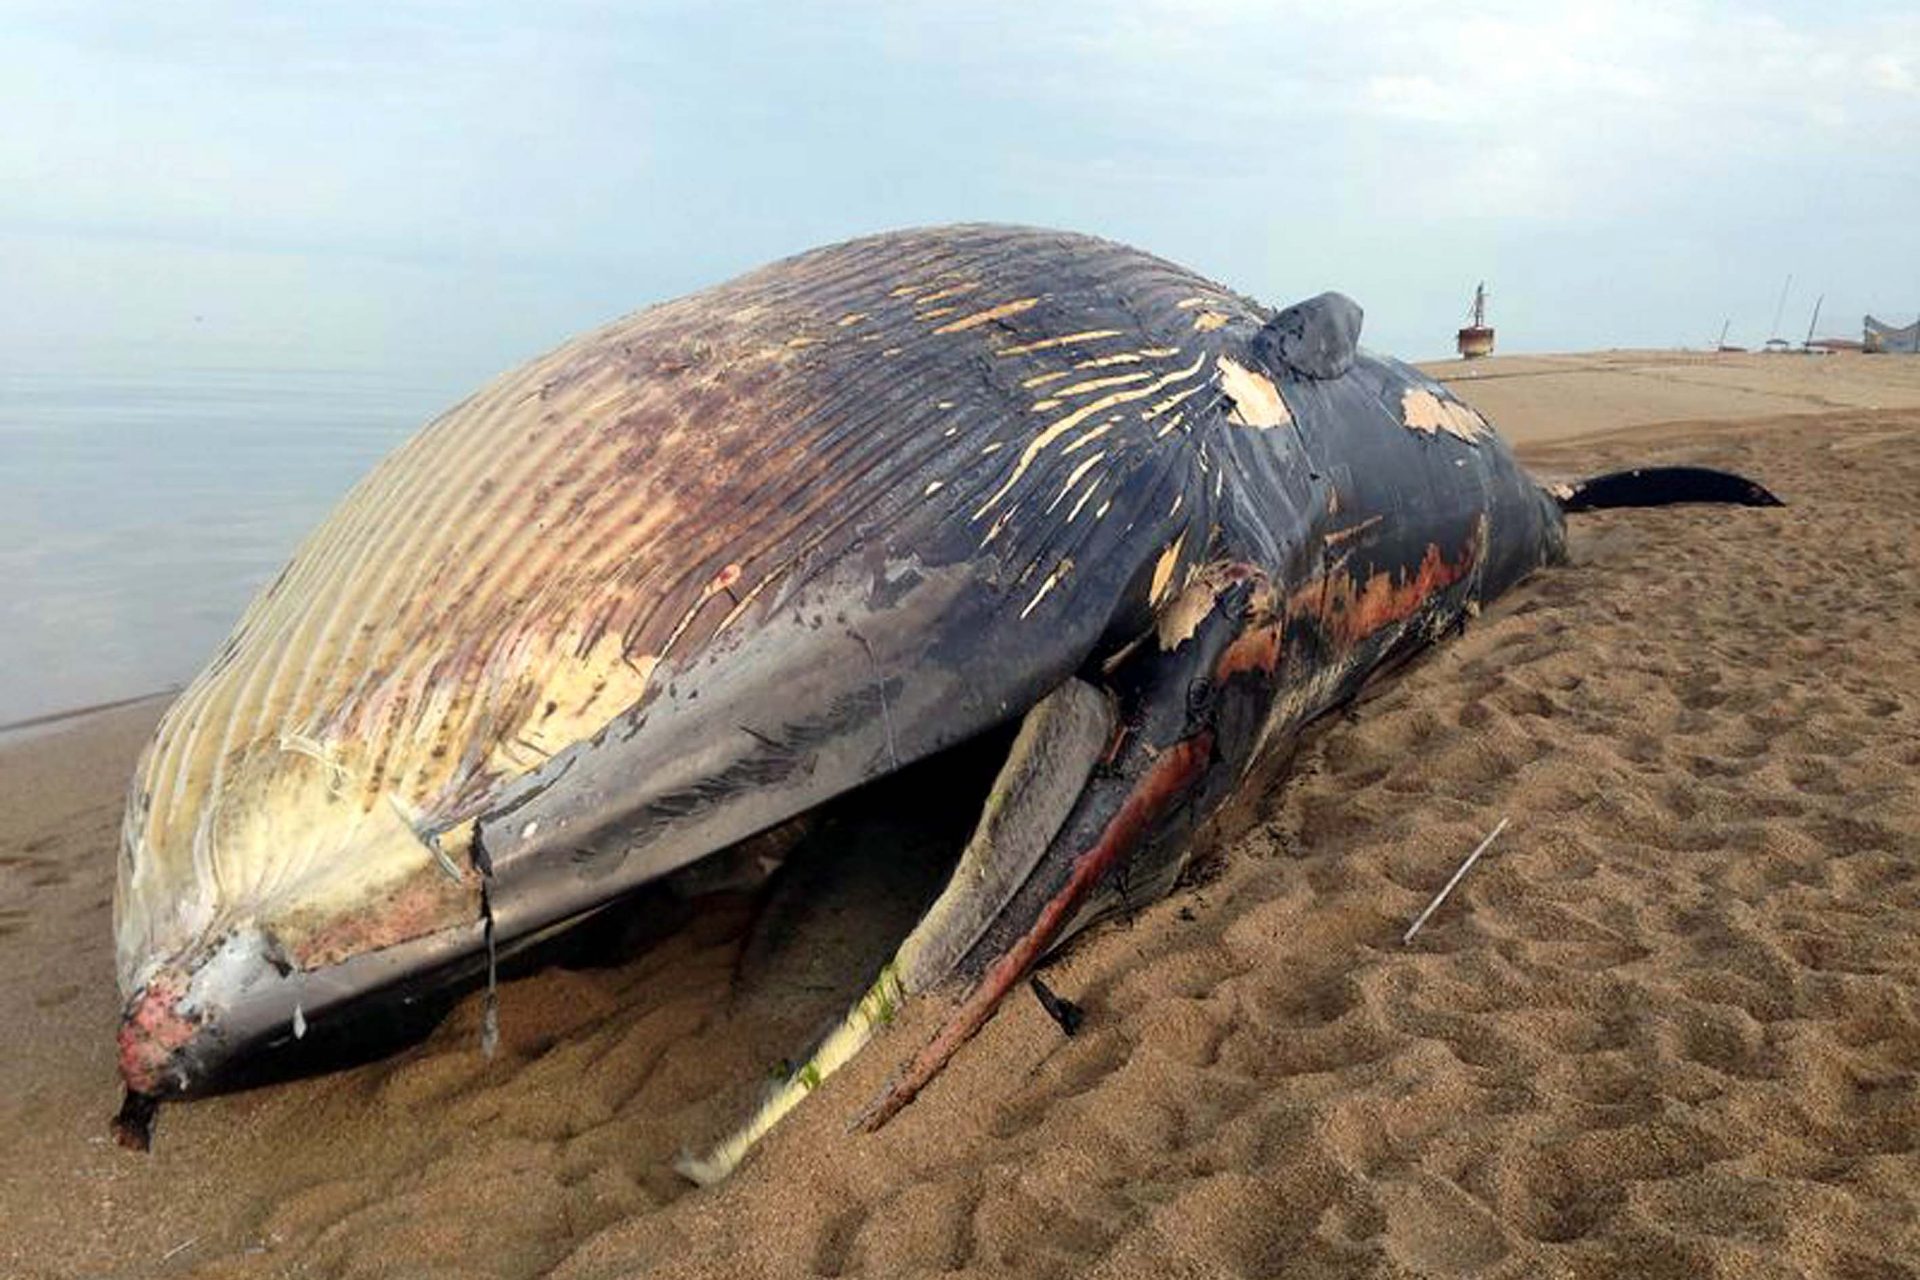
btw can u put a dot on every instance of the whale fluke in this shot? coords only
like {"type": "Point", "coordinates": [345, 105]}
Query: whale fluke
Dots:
{"type": "Point", "coordinates": [1661, 487]}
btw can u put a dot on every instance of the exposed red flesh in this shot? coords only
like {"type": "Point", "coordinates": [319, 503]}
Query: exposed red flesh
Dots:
{"type": "Point", "coordinates": [152, 1030]}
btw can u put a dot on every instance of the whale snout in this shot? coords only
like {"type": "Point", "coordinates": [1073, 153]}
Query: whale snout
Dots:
{"type": "Point", "coordinates": [191, 1014]}
{"type": "Point", "coordinates": [155, 1036]}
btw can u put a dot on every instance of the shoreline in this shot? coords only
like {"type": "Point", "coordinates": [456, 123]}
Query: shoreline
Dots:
{"type": "Point", "coordinates": [51, 718]}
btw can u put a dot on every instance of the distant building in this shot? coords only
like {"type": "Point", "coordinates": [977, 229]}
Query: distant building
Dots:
{"type": "Point", "coordinates": [1881, 336]}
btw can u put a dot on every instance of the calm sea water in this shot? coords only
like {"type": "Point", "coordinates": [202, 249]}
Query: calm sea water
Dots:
{"type": "Point", "coordinates": [143, 503]}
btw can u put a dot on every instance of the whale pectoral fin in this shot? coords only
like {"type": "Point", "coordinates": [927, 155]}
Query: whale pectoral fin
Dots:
{"type": "Point", "coordinates": [1188, 736]}
{"type": "Point", "coordinates": [1317, 338]}
{"type": "Point", "coordinates": [1660, 487]}
{"type": "Point", "coordinates": [1061, 741]}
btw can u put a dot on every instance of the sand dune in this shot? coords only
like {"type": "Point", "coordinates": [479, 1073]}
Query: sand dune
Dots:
{"type": "Point", "coordinates": [1670, 1025]}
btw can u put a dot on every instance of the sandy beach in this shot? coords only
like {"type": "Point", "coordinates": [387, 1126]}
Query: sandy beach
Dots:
{"type": "Point", "coordinates": [1668, 1026]}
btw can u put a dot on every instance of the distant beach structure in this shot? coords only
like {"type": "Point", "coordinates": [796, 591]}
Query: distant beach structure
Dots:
{"type": "Point", "coordinates": [1878, 335]}
{"type": "Point", "coordinates": [1476, 339]}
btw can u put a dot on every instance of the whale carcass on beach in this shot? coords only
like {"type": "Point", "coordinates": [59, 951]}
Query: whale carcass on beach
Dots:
{"type": "Point", "coordinates": [695, 574]}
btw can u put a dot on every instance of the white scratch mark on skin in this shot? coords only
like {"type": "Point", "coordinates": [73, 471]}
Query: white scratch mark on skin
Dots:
{"type": "Point", "coordinates": [1163, 569]}
{"type": "Point", "coordinates": [1041, 406]}
{"type": "Point", "coordinates": [934, 487]}
{"type": "Point", "coordinates": [1094, 384]}
{"type": "Point", "coordinates": [1042, 379]}
{"type": "Point", "coordinates": [1087, 335]}
{"type": "Point", "coordinates": [1105, 507]}
{"type": "Point", "coordinates": [1171, 425]}
{"type": "Point", "coordinates": [994, 532]}
{"type": "Point", "coordinates": [1074, 477]}
{"type": "Point", "coordinates": [993, 448]}
{"type": "Point", "coordinates": [1101, 362]}
{"type": "Point", "coordinates": [1341, 535]}
{"type": "Point", "coordinates": [951, 291]}
{"type": "Point", "coordinates": [1062, 568]}
{"type": "Point", "coordinates": [1057, 429]}
{"type": "Point", "coordinates": [740, 606]}
{"type": "Point", "coordinates": [1091, 436]}
{"type": "Point", "coordinates": [1161, 407]}
{"type": "Point", "coordinates": [991, 314]}
{"type": "Point", "coordinates": [1093, 487]}
{"type": "Point", "coordinates": [722, 582]}
{"type": "Point", "coordinates": [944, 404]}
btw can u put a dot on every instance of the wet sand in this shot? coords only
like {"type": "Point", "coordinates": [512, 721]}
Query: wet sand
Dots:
{"type": "Point", "coordinates": [1669, 1025]}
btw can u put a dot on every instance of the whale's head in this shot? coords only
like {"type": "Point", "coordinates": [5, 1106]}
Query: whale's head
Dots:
{"type": "Point", "coordinates": [242, 876]}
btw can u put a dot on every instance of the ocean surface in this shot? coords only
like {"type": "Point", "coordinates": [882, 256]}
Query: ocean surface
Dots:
{"type": "Point", "coordinates": [176, 415]}
{"type": "Point", "coordinates": [144, 501]}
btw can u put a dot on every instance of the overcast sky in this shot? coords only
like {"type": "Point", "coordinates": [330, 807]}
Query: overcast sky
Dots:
{"type": "Point", "coordinates": [458, 186]}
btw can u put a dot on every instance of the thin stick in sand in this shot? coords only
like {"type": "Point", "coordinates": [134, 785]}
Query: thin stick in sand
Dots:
{"type": "Point", "coordinates": [1446, 889]}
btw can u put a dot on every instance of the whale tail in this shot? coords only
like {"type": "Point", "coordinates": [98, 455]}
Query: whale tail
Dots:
{"type": "Point", "coordinates": [1660, 487]}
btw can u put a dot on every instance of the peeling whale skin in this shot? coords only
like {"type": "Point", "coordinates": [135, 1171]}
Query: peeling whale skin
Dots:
{"type": "Point", "coordinates": [704, 569]}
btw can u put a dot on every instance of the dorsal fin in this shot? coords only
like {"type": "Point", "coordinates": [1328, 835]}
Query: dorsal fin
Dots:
{"type": "Point", "coordinates": [1314, 339]}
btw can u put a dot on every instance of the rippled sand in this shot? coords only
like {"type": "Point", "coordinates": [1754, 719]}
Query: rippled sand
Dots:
{"type": "Point", "coordinates": [1670, 1024]}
